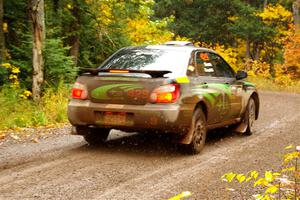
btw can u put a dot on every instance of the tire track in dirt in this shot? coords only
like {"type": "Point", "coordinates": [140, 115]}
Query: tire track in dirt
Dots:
{"type": "Point", "coordinates": [183, 170]}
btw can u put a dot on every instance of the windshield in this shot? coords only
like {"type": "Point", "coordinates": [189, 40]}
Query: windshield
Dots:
{"type": "Point", "coordinates": [150, 59]}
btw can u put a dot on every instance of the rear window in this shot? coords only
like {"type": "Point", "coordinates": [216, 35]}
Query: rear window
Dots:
{"type": "Point", "coordinates": [175, 61]}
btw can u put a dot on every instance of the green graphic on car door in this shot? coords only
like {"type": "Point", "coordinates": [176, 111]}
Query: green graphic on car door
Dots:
{"type": "Point", "coordinates": [218, 96]}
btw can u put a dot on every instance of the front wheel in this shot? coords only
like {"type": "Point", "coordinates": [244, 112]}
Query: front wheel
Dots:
{"type": "Point", "coordinates": [198, 130]}
{"type": "Point", "coordinates": [96, 136]}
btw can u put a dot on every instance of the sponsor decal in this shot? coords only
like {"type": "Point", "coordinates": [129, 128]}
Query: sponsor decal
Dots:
{"type": "Point", "coordinates": [207, 64]}
{"type": "Point", "coordinates": [120, 92]}
{"type": "Point", "coordinates": [204, 56]}
{"type": "Point", "coordinates": [191, 68]}
{"type": "Point", "coordinates": [209, 70]}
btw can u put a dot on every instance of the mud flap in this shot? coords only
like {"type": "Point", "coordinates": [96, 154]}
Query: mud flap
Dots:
{"type": "Point", "coordinates": [187, 139]}
{"type": "Point", "coordinates": [241, 128]}
{"type": "Point", "coordinates": [243, 125]}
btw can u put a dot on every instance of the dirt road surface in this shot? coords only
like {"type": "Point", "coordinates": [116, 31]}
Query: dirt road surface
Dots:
{"type": "Point", "coordinates": [139, 167]}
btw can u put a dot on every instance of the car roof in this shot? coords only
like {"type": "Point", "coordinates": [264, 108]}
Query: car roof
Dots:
{"type": "Point", "coordinates": [171, 47]}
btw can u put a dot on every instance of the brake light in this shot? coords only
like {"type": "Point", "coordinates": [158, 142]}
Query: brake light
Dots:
{"type": "Point", "coordinates": [79, 91]}
{"type": "Point", "coordinates": [165, 94]}
{"type": "Point", "coordinates": [118, 71]}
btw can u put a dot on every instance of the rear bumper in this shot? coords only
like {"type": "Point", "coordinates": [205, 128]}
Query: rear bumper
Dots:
{"type": "Point", "coordinates": [172, 117]}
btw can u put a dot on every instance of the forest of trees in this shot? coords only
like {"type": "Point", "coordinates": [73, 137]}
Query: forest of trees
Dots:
{"type": "Point", "coordinates": [44, 42]}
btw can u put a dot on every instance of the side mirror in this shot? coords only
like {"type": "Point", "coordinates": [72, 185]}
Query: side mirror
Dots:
{"type": "Point", "coordinates": [241, 75]}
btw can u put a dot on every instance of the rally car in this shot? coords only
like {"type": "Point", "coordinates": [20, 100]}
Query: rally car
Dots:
{"type": "Point", "coordinates": [172, 88]}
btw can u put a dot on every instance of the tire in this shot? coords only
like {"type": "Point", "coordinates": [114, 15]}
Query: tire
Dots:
{"type": "Point", "coordinates": [96, 136]}
{"type": "Point", "coordinates": [199, 131]}
{"type": "Point", "coordinates": [249, 117]}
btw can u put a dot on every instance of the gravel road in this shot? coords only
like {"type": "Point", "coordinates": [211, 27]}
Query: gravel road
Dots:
{"type": "Point", "coordinates": [136, 166]}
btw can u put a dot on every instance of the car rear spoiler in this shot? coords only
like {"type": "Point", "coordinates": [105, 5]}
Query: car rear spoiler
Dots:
{"type": "Point", "coordinates": [96, 71]}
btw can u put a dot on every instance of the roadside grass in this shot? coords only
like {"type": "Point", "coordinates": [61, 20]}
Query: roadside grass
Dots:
{"type": "Point", "coordinates": [17, 112]}
{"type": "Point", "coordinates": [270, 85]}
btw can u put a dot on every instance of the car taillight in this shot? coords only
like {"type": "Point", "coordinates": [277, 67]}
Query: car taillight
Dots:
{"type": "Point", "coordinates": [79, 91]}
{"type": "Point", "coordinates": [165, 94]}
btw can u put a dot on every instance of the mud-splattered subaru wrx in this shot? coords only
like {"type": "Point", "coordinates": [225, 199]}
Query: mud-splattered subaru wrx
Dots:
{"type": "Point", "coordinates": [175, 88]}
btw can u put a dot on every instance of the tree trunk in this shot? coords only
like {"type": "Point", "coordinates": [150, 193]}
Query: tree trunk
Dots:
{"type": "Point", "coordinates": [265, 3]}
{"type": "Point", "coordinates": [256, 51]}
{"type": "Point", "coordinates": [2, 38]}
{"type": "Point", "coordinates": [296, 7]}
{"type": "Point", "coordinates": [74, 51]}
{"type": "Point", "coordinates": [74, 39]}
{"type": "Point", "coordinates": [248, 48]}
{"type": "Point", "coordinates": [38, 30]}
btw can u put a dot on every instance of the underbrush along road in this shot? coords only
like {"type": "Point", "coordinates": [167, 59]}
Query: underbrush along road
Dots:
{"type": "Point", "coordinates": [142, 167]}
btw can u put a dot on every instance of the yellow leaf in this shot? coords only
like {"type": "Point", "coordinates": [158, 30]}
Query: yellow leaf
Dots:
{"type": "Point", "coordinates": [258, 196]}
{"type": "Point", "coordinates": [289, 147]}
{"type": "Point", "coordinates": [230, 189]}
{"type": "Point", "coordinates": [69, 6]}
{"type": "Point", "coordinates": [248, 179]}
{"type": "Point", "coordinates": [261, 182]}
{"type": "Point", "coordinates": [266, 197]}
{"type": "Point", "coordinates": [289, 169]}
{"type": "Point", "coordinates": [269, 176]}
{"type": "Point", "coordinates": [229, 177]}
{"type": "Point", "coordinates": [272, 189]}
{"type": "Point", "coordinates": [5, 27]}
{"type": "Point", "coordinates": [276, 174]}
{"type": "Point", "coordinates": [15, 137]}
{"type": "Point", "coordinates": [15, 70]}
{"type": "Point", "coordinates": [2, 136]}
{"type": "Point", "coordinates": [241, 178]}
{"type": "Point", "coordinates": [182, 195]}
{"type": "Point", "coordinates": [254, 174]}
{"type": "Point", "coordinates": [35, 140]}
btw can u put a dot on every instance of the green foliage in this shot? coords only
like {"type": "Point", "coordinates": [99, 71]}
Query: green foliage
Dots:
{"type": "Point", "coordinates": [19, 112]}
{"type": "Point", "coordinates": [21, 54]}
{"type": "Point", "coordinates": [284, 184]}
{"type": "Point", "coordinates": [201, 20]}
{"type": "Point", "coordinates": [58, 66]}
{"type": "Point", "coordinates": [248, 26]}
{"type": "Point", "coordinates": [3, 76]}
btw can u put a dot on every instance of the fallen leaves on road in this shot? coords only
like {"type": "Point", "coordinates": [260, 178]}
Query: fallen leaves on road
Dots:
{"type": "Point", "coordinates": [35, 140]}
{"type": "Point", "coordinates": [15, 137]}
{"type": "Point", "coordinates": [35, 135]}
{"type": "Point", "coordinates": [2, 136]}
{"type": "Point", "coordinates": [181, 196]}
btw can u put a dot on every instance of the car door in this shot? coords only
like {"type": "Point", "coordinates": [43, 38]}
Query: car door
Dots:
{"type": "Point", "coordinates": [232, 95]}
{"type": "Point", "coordinates": [207, 85]}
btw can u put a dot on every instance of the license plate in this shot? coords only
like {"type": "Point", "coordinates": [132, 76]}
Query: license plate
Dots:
{"type": "Point", "coordinates": [113, 118]}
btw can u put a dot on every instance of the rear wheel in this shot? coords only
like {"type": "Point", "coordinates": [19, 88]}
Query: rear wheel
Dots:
{"type": "Point", "coordinates": [249, 117]}
{"type": "Point", "coordinates": [96, 135]}
{"type": "Point", "coordinates": [199, 131]}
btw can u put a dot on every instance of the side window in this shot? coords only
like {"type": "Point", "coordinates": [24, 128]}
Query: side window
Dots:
{"type": "Point", "coordinates": [203, 64]}
{"type": "Point", "coordinates": [191, 71]}
{"type": "Point", "coordinates": [221, 67]}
